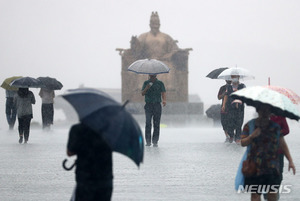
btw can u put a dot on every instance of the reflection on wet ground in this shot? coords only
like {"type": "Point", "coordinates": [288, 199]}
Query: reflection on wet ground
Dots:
{"type": "Point", "coordinates": [189, 164]}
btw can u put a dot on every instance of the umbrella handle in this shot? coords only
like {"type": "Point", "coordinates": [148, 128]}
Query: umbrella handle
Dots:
{"type": "Point", "coordinates": [123, 106]}
{"type": "Point", "coordinates": [68, 168]}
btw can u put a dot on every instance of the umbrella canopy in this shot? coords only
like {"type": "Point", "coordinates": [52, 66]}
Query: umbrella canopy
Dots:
{"type": "Point", "coordinates": [148, 66]}
{"type": "Point", "coordinates": [280, 104]}
{"type": "Point", "coordinates": [107, 117]}
{"type": "Point", "coordinates": [27, 82]}
{"type": "Point", "coordinates": [287, 92]}
{"type": "Point", "coordinates": [50, 83]}
{"type": "Point", "coordinates": [215, 73]}
{"type": "Point", "coordinates": [243, 73]}
{"type": "Point", "coordinates": [214, 111]}
{"type": "Point", "coordinates": [6, 83]}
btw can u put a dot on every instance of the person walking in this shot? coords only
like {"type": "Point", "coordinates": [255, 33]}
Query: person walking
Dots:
{"type": "Point", "coordinates": [94, 175]}
{"type": "Point", "coordinates": [224, 112]}
{"type": "Point", "coordinates": [24, 100]}
{"type": "Point", "coordinates": [10, 108]}
{"type": "Point", "coordinates": [284, 130]}
{"type": "Point", "coordinates": [235, 110]}
{"type": "Point", "coordinates": [155, 93]}
{"type": "Point", "coordinates": [47, 96]}
{"type": "Point", "coordinates": [264, 138]}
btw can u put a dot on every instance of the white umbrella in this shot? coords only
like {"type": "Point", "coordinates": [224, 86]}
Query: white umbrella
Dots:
{"type": "Point", "coordinates": [148, 66]}
{"type": "Point", "coordinates": [280, 104]}
{"type": "Point", "coordinates": [243, 73]}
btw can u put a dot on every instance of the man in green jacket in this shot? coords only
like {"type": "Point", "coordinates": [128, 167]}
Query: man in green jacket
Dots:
{"type": "Point", "coordinates": [155, 93]}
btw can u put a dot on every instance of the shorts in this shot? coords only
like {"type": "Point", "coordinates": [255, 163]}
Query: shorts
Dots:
{"type": "Point", "coordinates": [263, 183]}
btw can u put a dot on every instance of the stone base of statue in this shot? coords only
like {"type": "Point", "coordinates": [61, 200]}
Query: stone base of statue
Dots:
{"type": "Point", "coordinates": [173, 114]}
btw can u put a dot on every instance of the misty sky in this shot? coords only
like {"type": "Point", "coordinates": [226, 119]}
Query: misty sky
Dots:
{"type": "Point", "coordinates": [75, 40]}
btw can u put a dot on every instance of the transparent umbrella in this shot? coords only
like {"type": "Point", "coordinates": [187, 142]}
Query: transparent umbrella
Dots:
{"type": "Point", "coordinates": [243, 73]}
{"type": "Point", "coordinates": [148, 66]}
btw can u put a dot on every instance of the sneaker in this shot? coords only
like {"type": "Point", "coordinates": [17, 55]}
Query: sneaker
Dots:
{"type": "Point", "coordinates": [21, 139]}
{"type": "Point", "coordinates": [238, 142]}
{"type": "Point", "coordinates": [148, 145]}
{"type": "Point", "coordinates": [230, 140]}
{"type": "Point", "coordinates": [227, 139]}
{"type": "Point", "coordinates": [155, 145]}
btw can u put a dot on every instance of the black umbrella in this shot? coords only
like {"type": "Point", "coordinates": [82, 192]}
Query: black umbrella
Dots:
{"type": "Point", "coordinates": [50, 83]}
{"type": "Point", "coordinates": [109, 118]}
{"type": "Point", "coordinates": [215, 73]}
{"type": "Point", "coordinates": [214, 111]}
{"type": "Point", "coordinates": [27, 82]}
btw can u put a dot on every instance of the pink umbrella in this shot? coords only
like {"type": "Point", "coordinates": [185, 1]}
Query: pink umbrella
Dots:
{"type": "Point", "coordinates": [287, 92]}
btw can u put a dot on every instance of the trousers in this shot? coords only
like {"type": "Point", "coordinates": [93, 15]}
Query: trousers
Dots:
{"type": "Point", "coordinates": [24, 126]}
{"type": "Point", "coordinates": [153, 112]}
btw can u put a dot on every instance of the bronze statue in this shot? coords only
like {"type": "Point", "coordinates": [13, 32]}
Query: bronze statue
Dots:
{"type": "Point", "coordinates": [155, 45]}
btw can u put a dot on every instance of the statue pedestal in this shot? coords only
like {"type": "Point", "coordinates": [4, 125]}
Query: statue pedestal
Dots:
{"type": "Point", "coordinates": [173, 114]}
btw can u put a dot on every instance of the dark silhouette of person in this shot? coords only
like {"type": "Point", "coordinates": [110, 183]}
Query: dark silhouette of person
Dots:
{"type": "Point", "coordinates": [47, 96]}
{"type": "Point", "coordinates": [94, 175]}
{"type": "Point", "coordinates": [10, 108]}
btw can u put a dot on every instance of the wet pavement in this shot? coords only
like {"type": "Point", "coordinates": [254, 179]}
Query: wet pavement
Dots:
{"type": "Point", "coordinates": [190, 164]}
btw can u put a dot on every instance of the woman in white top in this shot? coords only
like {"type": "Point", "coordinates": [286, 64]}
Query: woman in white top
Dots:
{"type": "Point", "coordinates": [24, 100]}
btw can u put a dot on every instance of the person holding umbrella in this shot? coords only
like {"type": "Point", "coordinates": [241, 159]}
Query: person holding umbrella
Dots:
{"type": "Point", "coordinates": [10, 108]}
{"type": "Point", "coordinates": [94, 173]}
{"type": "Point", "coordinates": [47, 96]}
{"type": "Point", "coordinates": [260, 165]}
{"type": "Point", "coordinates": [105, 126]}
{"type": "Point", "coordinates": [265, 139]}
{"type": "Point", "coordinates": [24, 100]}
{"type": "Point", "coordinates": [224, 112]}
{"type": "Point", "coordinates": [155, 93]}
{"type": "Point", "coordinates": [235, 110]}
